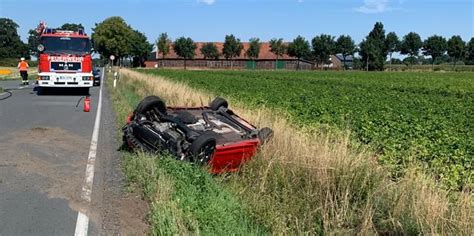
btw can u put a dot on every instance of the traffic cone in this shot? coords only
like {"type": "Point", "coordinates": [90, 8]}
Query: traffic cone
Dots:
{"type": "Point", "coordinates": [87, 104]}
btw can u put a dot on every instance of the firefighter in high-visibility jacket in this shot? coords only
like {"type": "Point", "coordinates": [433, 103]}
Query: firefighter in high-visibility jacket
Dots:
{"type": "Point", "coordinates": [23, 68]}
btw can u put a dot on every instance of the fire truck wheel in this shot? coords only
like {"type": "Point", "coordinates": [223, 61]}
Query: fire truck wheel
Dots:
{"type": "Point", "coordinates": [42, 91]}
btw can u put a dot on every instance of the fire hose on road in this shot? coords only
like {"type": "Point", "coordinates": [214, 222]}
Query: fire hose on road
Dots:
{"type": "Point", "coordinates": [6, 92]}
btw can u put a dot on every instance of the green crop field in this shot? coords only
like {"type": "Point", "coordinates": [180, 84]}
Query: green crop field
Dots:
{"type": "Point", "coordinates": [423, 119]}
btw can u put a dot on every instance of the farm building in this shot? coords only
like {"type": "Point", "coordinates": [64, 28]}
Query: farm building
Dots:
{"type": "Point", "coordinates": [265, 60]}
{"type": "Point", "coordinates": [340, 61]}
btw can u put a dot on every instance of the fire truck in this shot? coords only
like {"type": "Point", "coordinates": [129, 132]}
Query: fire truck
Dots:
{"type": "Point", "coordinates": [64, 58]}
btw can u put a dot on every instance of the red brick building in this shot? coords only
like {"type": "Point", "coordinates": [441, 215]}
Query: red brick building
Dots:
{"type": "Point", "coordinates": [265, 60]}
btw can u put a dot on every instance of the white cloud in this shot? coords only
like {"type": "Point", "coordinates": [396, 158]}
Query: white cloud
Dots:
{"type": "Point", "coordinates": [207, 2]}
{"type": "Point", "coordinates": [374, 6]}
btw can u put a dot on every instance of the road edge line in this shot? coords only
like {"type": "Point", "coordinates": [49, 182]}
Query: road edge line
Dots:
{"type": "Point", "coordinates": [82, 223]}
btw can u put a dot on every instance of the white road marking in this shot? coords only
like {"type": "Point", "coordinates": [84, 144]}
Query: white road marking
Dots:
{"type": "Point", "coordinates": [82, 223]}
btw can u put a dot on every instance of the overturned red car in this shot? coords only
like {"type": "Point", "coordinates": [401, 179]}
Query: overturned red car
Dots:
{"type": "Point", "coordinates": [211, 135]}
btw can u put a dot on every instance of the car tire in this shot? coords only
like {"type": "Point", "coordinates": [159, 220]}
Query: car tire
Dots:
{"type": "Point", "coordinates": [217, 103]}
{"type": "Point", "coordinates": [264, 134]}
{"type": "Point", "coordinates": [203, 148]}
{"type": "Point", "coordinates": [133, 144]}
{"type": "Point", "coordinates": [149, 103]}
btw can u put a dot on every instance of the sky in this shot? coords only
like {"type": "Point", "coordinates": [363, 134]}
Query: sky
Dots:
{"type": "Point", "coordinates": [211, 20]}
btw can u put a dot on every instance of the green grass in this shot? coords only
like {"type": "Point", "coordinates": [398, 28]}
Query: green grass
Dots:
{"type": "Point", "coordinates": [183, 199]}
{"type": "Point", "coordinates": [407, 118]}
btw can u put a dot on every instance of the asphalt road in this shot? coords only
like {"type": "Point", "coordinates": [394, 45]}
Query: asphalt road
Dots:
{"type": "Point", "coordinates": [44, 148]}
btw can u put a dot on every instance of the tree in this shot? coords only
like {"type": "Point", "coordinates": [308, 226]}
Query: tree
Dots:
{"type": "Point", "coordinates": [33, 42]}
{"type": "Point", "coordinates": [11, 45]}
{"type": "Point", "coordinates": [299, 48]}
{"type": "Point", "coordinates": [185, 48]}
{"type": "Point", "coordinates": [278, 48]}
{"type": "Point", "coordinates": [254, 48]}
{"type": "Point", "coordinates": [141, 48]}
{"type": "Point", "coordinates": [396, 61]}
{"type": "Point", "coordinates": [373, 49]}
{"type": "Point", "coordinates": [113, 37]}
{"type": "Point", "coordinates": [392, 43]}
{"type": "Point", "coordinates": [323, 46]}
{"type": "Point", "coordinates": [209, 51]}
{"type": "Point", "coordinates": [163, 44]}
{"type": "Point", "coordinates": [411, 45]}
{"type": "Point", "coordinates": [408, 61]}
{"type": "Point", "coordinates": [232, 48]}
{"type": "Point", "coordinates": [456, 49]}
{"type": "Point", "coordinates": [71, 27]}
{"type": "Point", "coordinates": [434, 46]}
{"type": "Point", "coordinates": [345, 46]}
{"type": "Point", "coordinates": [357, 64]}
{"type": "Point", "coordinates": [470, 51]}
{"type": "Point", "coordinates": [368, 51]}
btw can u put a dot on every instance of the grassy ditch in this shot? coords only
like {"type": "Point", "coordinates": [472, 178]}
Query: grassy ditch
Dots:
{"type": "Point", "coordinates": [183, 199]}
{"type": "Point", "coordinates": [311, 182]}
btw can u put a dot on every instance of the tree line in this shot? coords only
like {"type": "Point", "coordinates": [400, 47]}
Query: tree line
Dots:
{"type": "Point", "coordinates": [372, 51]}
{"type": "Point", "coordinates": [114, 36]}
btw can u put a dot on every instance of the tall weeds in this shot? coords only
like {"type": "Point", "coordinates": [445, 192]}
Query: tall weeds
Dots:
{"type": "Point", "coordinates": [314, 182]}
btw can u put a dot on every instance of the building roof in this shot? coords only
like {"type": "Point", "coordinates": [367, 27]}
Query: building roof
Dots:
{"type": "Point", "coordinates": [349, 58]}
{"type": "Point", "coordinates": [264, 54]}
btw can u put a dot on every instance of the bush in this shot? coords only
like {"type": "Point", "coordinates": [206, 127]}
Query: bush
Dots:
{"type": "Point", "coordinates": [13, 62]}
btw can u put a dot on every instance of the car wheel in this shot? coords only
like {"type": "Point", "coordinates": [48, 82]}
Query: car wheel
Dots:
{"type": "Point", "coordinates": [132, 143]}
{"type": "Point", "coordinates": [217, 103]}
{"type": "Point", "coordinates": [264, 134]}
{"type": "Point", "coordinates": [149, 103]}
{"type": "Point", "coordinates": [202, 149]}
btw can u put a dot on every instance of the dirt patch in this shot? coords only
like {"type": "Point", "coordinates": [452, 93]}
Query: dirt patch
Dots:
{"type": "Point", "coordinates": [54, 154]}
{"type": "Point", "coordinates": [133, 211]}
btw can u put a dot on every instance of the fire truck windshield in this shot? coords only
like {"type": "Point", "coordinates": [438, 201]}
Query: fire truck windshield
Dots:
{"type": "Point", "coordinates": [68, 45]}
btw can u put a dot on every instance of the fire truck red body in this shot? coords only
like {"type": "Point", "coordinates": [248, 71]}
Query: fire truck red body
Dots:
{"type": "Point", "coordinates": [64, 58]}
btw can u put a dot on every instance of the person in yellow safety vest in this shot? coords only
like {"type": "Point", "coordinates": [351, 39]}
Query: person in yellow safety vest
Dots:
{"type": "Point", "coordinates": [23, 68]}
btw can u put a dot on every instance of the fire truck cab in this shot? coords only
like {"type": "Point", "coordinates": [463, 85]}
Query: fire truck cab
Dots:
{"type": "Point", "coordinates": [64, 58]}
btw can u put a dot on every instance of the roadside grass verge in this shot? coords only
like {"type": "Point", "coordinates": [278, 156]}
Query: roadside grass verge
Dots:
{"type": "Point", "coordinates": [183, 199]}
{"type": "Point", "coordinates": [316, 182]}
{"type": "Point", "coordinates": [15, 75]}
